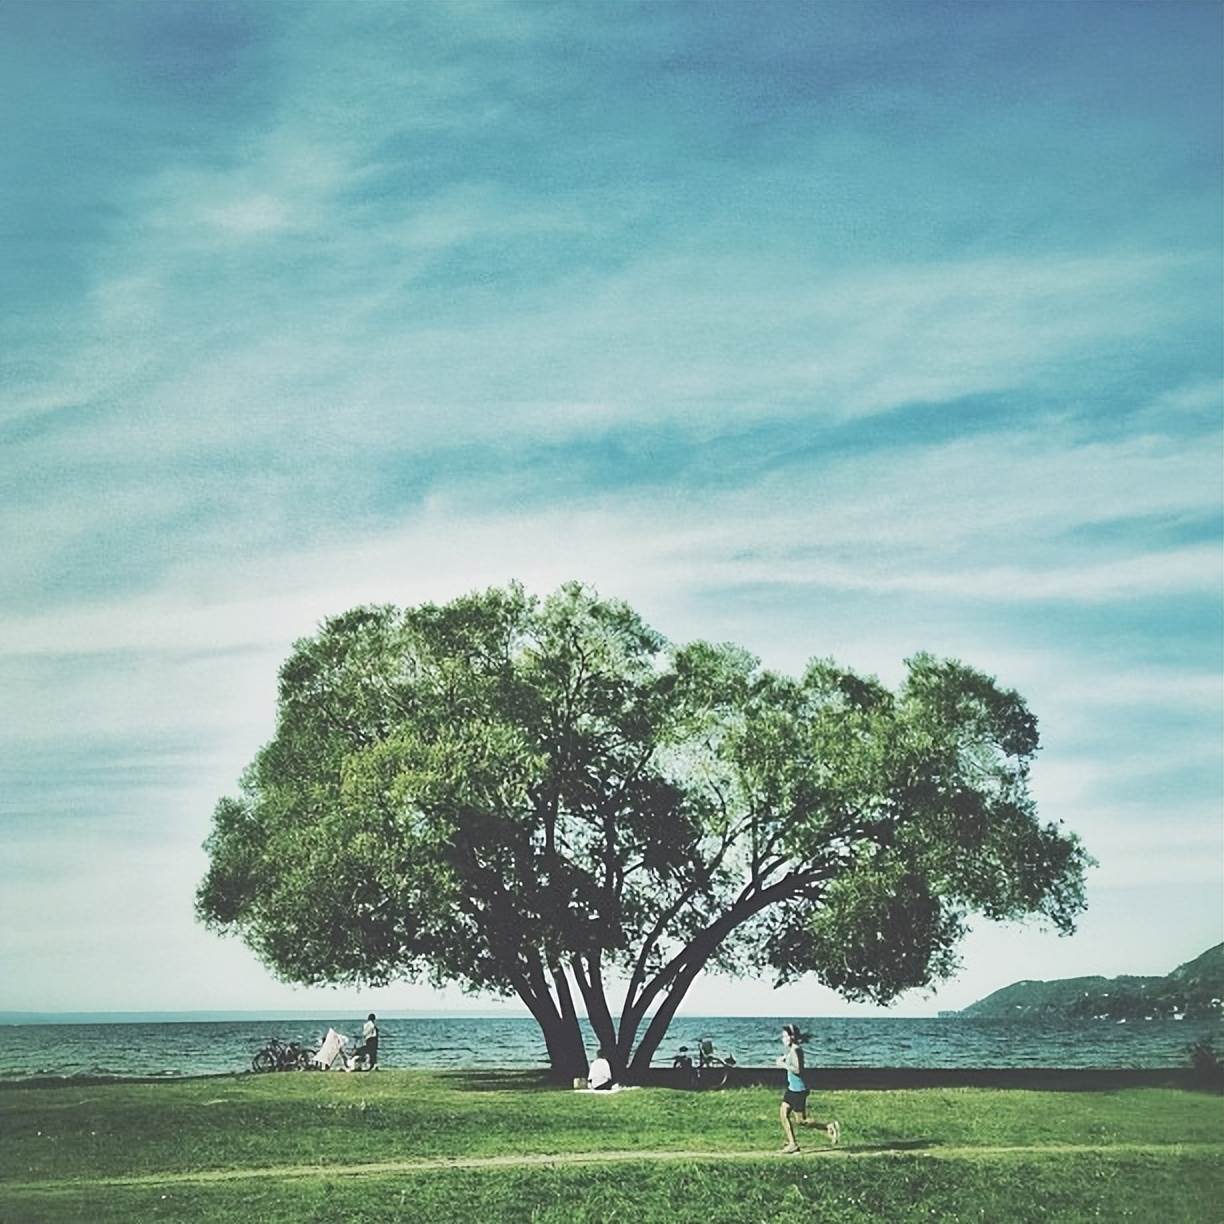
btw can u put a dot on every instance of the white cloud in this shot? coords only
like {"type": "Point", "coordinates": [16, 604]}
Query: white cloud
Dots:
{"type": "Point", "coordinates": [252, 216]}
{"type": "Point", "coordinates": [921, 520]}
{"type": "Point", "coordinates": [327, 289]}
{"type": "Point", "coordinates": [1186, 570]}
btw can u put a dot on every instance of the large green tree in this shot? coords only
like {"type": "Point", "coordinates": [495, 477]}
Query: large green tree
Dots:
{"type": "Point", "coordinates": [544, 798]}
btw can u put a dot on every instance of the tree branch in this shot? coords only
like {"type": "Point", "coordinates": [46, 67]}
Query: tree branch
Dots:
{"type": "Point", "coordinates": [590, 984]}
{"type": "Point", "coordinates": [630, 1012]}
{"type": "Point", "coordinates": [702, 946]}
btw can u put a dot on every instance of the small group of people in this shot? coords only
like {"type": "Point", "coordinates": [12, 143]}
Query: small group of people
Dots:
{"type": "Point", "coordinates": [600, 1078]}
{"type": "Point", "coordinates": [793, 1112]}
{"type": "Point", "coordinates": [364, 1056]}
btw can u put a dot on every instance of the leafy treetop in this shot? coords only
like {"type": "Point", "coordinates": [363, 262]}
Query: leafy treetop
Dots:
{"type": "Point", "coordinates": [536, 797]}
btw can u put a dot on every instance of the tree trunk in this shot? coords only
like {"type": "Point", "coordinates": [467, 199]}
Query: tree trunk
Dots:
{"type": "Point", "coordinates": [566, 1053]}
{"type": "Point", "coordinates": [662, 1018]}
{"type": "Point", "coordinates": [558, 1018]}
{"type": "Point", "coordinates": [590, 982]}
{"type": "Point", "coordinates": [570, 1060]}
{"type": "Point", "coordinates": [691, 962]}
{"type": "Point", "coordinates": [558, 1026]}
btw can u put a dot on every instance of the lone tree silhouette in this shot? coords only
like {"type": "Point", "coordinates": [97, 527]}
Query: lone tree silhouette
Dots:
{"type": "Point", "coordinates": [543, 798]}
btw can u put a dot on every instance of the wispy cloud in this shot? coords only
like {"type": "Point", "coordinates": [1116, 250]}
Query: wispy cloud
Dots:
{"type": "Point", "coordinates": [853, 332]}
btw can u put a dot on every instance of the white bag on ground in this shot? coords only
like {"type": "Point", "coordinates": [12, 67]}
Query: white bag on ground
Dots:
{"type": "Point", "coordinates": [331, 1049]}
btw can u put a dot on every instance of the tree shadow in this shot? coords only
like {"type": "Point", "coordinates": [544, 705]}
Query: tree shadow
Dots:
{"type": "Point", "coordinates": [492, 1080]}
{"type": "Point", "coordinates": [908, 1145]}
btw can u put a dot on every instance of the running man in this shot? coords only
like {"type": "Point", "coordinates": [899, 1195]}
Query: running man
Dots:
{"type": "Point", "coordinates": [794, 1099]}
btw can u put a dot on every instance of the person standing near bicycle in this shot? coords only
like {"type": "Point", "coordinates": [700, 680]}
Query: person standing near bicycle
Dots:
{"type": "Point", "coordinates": [369, 1043]}
{"type": "Point", "coordinates": [794, 1099]}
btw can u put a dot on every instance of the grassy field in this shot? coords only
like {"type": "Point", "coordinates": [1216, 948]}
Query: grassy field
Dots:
{"type": "Point", "coordinates": [405, 1145]}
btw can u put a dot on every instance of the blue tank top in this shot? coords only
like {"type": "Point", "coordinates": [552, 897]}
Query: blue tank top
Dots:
{"type": "Point", "coordinates": [794, 1070]}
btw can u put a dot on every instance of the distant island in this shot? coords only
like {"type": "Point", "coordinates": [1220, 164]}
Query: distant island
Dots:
{"type": "Point", "coordinates": [1193, 991]}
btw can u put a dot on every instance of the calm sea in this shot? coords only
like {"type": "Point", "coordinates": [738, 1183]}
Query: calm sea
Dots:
{"type": "Point", "coordinates": [223, 1046]}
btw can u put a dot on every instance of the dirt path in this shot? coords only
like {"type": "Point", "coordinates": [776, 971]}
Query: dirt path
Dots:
{"type": "Point", "coordinates": [384, 1168]}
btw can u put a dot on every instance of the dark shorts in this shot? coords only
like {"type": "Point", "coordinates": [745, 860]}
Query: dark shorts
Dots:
{"type": "Point", "coordinates": [796, 1100]}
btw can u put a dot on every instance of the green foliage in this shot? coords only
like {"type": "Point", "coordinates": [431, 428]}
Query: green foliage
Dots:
{"type": "Point", "coordinates": [880, 931]}
{"type": "Point", "coordinates": [963, 1189]}
{"type": "Point", "coordinates": [66, 1131]}
{"type": "Point", "coordinates": [1192, 991]}
{"type": "Point", "coordinates": [1207, 1066]}
{"type": "Point", "coordinates": [519, 794]}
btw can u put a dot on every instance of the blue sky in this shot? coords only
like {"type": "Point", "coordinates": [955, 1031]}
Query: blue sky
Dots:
{"type": "Point", "coordinates": [847, 329]}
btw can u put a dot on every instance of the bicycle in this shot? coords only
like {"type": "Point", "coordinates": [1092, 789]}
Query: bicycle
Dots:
{"type": "Point", "coordinates": [337, 1052]}
{"type": "Point", "coordinates": [280, 1055]}
{"type": "Point", "coordinates": [708, 1070]}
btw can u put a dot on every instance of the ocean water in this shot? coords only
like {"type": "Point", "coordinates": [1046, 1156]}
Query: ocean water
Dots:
{"type": "Point", "coordinates": [224, 1046]}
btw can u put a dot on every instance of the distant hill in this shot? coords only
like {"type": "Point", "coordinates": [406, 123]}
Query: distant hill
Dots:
{"type": "Point", "coordinates": [1193, 991]}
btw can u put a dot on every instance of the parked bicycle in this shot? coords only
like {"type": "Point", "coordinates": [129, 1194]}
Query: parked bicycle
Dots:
{"type": "Point", "coordinates": [280, 1055]}
{"type": "Point", "coordinates": [707, 1069]}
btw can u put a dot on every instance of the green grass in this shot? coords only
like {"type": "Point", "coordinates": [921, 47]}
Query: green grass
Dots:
{"type": "Point", "coordinates": [282, 1148]}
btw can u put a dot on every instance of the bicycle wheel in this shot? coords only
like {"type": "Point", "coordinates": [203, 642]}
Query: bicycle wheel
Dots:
{"type": "Point", "coordinates": [265, 1060]}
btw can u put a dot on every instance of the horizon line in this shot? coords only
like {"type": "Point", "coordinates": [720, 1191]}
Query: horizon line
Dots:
{"type": "Point", "coordinates": [169, 1015]}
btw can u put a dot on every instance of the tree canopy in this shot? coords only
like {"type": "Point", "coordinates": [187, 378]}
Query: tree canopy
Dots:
{"type": "Point", "coordinates": [542, 797]}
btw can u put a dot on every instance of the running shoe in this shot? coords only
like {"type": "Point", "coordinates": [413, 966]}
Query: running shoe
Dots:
{"type": "Point", "coordinates": [835, 1132]}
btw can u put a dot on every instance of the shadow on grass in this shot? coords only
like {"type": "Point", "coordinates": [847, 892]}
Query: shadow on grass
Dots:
{"type": "Point", "coordinates": [909, 1145]}
{"type": "Point", "coordinates": [75, 1082]}
{"type": "Point", "coordinates": [502, 1081]}
{"type": "Point", "coordinates": [1033, 1079]}
{"type": "Point", "coordinates": [1044, 1079]}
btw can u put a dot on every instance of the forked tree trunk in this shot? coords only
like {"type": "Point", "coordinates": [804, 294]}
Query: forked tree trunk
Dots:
{"type": "Point", "coordinates": [567, 1057]}
{"type": "Point", "coordinates": [557, 1015]}
{"type": "Point", "coordinates": [567, 1053]}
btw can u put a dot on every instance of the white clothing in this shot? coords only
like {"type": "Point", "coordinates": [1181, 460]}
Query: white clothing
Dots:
{"type": "Point", "coordinates": [599, 1074]}
{"type": "Point", "coordinates": [331, 1048]}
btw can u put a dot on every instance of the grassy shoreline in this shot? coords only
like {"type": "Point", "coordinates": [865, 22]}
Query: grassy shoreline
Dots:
{"type": "Point", "coordinates": [1051, 1079]}
{"type": "Point", "coordinates": [432, 1145]}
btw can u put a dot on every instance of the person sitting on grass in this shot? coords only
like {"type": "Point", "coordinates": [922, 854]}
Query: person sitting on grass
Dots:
{"type": "Point", "coordinates": [599, 1077]}
{"type": "Point", "coordinates": [794, 1099]}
